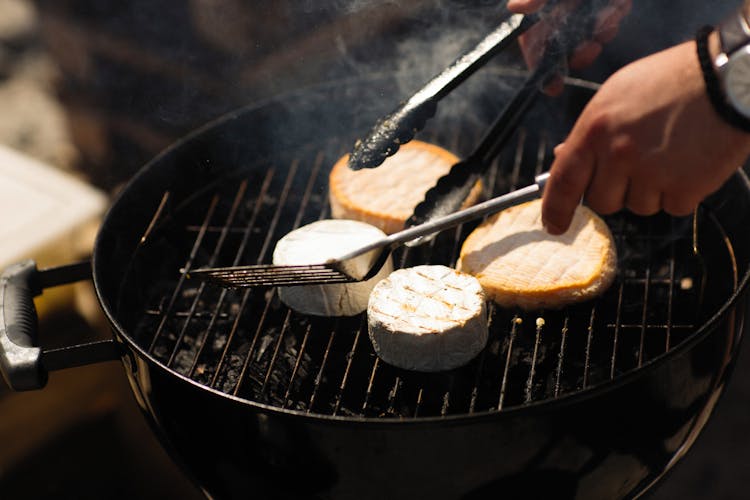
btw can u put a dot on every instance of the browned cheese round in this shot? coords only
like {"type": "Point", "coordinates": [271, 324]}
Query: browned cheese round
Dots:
{"type": "Point", "coordinates": [519, 264]}
{"type": "Point", "coordinates": [385, 196]}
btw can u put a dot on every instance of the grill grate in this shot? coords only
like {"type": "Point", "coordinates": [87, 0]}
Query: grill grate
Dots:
{"type": "Point", "coordinates": [246, 343]}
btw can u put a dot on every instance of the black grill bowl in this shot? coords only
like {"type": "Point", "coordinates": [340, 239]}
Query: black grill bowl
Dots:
{"type": "Point", "coordinates": [256, 401]}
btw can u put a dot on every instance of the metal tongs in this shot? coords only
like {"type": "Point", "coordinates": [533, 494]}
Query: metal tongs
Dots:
{"type": "Point", "coordinates": [451, 190]}
{"type": "Point", "coordinates": [341, 269]}
{"type": "Point", "coordinates": [399, 127]}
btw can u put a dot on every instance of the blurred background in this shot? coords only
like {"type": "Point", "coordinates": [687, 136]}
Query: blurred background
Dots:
{"type": "Point", "coordinates": [91, 90]}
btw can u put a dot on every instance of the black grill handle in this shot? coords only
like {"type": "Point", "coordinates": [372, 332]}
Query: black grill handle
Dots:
{"type": "Point", "coordinates": [24, 365]}
{"type": "Point", "coordinates": [19, 358]}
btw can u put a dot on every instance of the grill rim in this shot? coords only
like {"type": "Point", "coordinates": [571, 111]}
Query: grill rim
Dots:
{"type": "Point", "coordinates": [122, 336]}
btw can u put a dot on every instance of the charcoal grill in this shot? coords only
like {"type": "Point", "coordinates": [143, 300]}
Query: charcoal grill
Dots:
{"type": "Point", "coordinates": [248, 344]}
{"type": "Point", "coordinates": [597, 400]}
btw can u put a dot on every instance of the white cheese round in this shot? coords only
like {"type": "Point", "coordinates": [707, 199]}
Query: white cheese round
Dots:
{"type": "Point", "coordinates": [428, 318]}
{"type": "Point", "coordinates": [318, 242]}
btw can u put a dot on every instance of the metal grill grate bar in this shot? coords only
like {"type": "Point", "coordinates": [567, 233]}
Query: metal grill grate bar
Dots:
{"type": "Point", "coordinates": [644, 313]}
{"type": "Point", "coordinates": [418, 404]}
{"type": "Point", "coordinates": [616, 335]}
{"type": "Point", "coordinates": [323, 365]}
{"type": "Point", "coordinates": [561, 355]}
{"type": "Point", "coordinates": [253, 343]}
{"type": "Point", "coordinates": [482, 356]}
{"type": "Point", "coordinates": [515, 322]}
{"type": "Point", "coordinates": [391, 410]}
{"type": "Point", "coordinates": [198, 296]}
{"type": "Point", "coordinates": [261, 256]}
{"type": "Point", "coordinates": [275, 355]}
{"type": "Point", "coordinates": [272, 295]}
{"type": "Point", "coordinates": [345, 378]}
{"type": "Point", "coordinates": [670, 298]}
{"type": "Point", "coordinates": [589, 338]}
{"type": "Point", "coordinates": [155, 218]}
{"type": "Point", "coordinates": [368, 393]}
{"type": "Point", "coordinates": [193, 252]}
{"type": "Point", "coordinates": [447, 397]}
{"type": "Point", "coordinates": [277, 214]}
{"type": "Point", "coordinates": [528, 393]}
{"type": "Point", "coordinates": [297, 361]}
{"type": "Point", "coordinates": [297, 221]}
{"type": "Point", "coordinates": [230, 338]}
{"type": "Point", "coordinates": [247, 231]}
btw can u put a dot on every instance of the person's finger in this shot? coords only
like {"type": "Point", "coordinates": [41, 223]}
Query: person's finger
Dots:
{"type": "Point", "coordinates": [525, 6]}
{"type": "Point", "coordinates": [554, 86]}
{"type": "Point", "coordinates": [642, 199]}
{"type": "Point", "coordinates": [623, 6]}
{"type": "Point", "coordinates": [607, 190]}
{"type": "Point", "coordinates": [570, 175]}
{"type": "Point", "coordinates": [585, 54]}
{"type": "Point", "coordinates": [607, 31]}
{"type": "Point", "coordinates": [679, 205]}
{"type": "Point", "coordinates": [609, 19]}
{"type": "Point", "coordinates": [530, 44]}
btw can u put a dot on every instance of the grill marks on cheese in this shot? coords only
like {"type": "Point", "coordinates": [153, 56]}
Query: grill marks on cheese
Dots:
{"type": "Point", "coordinates": [519, 264]}
{"type": "Point", "coordinates": [386, 196]}
{"type": "Point", "coordinates": [425, 302]}
{"type": "Point", "coordinates": [427, 318]}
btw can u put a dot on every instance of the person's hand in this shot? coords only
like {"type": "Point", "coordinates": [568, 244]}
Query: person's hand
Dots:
{"type": "Point", "coordinates": [648, 140]}
{"type": "Point", "coordinates": [605, 29]}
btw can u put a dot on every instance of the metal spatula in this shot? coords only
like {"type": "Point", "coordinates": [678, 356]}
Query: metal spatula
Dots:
{"type": "Point", "coordinates": [340, 270]}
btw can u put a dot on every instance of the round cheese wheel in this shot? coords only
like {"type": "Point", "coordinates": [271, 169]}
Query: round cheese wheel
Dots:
{"type": "Point", "coordinates": [318, 242]}
{"type": "Point", "coordinates": [519, 264]}
{"type": "Point", "coordinates": [427, 318]}
{"type": "Point", "coordinates": [385, 196]}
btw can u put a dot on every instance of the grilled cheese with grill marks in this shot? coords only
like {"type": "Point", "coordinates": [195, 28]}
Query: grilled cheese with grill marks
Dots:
{"type": "Point", "coordinates": [427, 318]}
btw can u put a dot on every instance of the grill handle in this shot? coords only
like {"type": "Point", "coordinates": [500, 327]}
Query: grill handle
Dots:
{"type": "Point", "coordinates": [24, 365]}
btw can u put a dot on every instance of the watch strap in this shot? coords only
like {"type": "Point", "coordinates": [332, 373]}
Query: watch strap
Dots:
{"type": "Point", "coordinates": [713, 86]}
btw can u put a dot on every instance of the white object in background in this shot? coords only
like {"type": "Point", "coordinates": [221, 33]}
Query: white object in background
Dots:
{"type": "Point", "coordinates": [45, 214]}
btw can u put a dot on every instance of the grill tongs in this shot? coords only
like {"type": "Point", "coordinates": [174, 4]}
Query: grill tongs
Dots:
{"type": "Point", "coordinates": [341, 269]}
{"type": "Point", "coordinates": [570, 26]}
{"type": "Point", "coordinates": [452, 189]}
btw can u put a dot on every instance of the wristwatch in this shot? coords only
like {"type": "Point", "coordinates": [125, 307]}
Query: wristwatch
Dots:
{"type": "Point", "coordinates": [733, 63]}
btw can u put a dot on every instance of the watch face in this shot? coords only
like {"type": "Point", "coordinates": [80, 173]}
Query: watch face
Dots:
{"type": "Point", "coordinates": [737, 80]}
